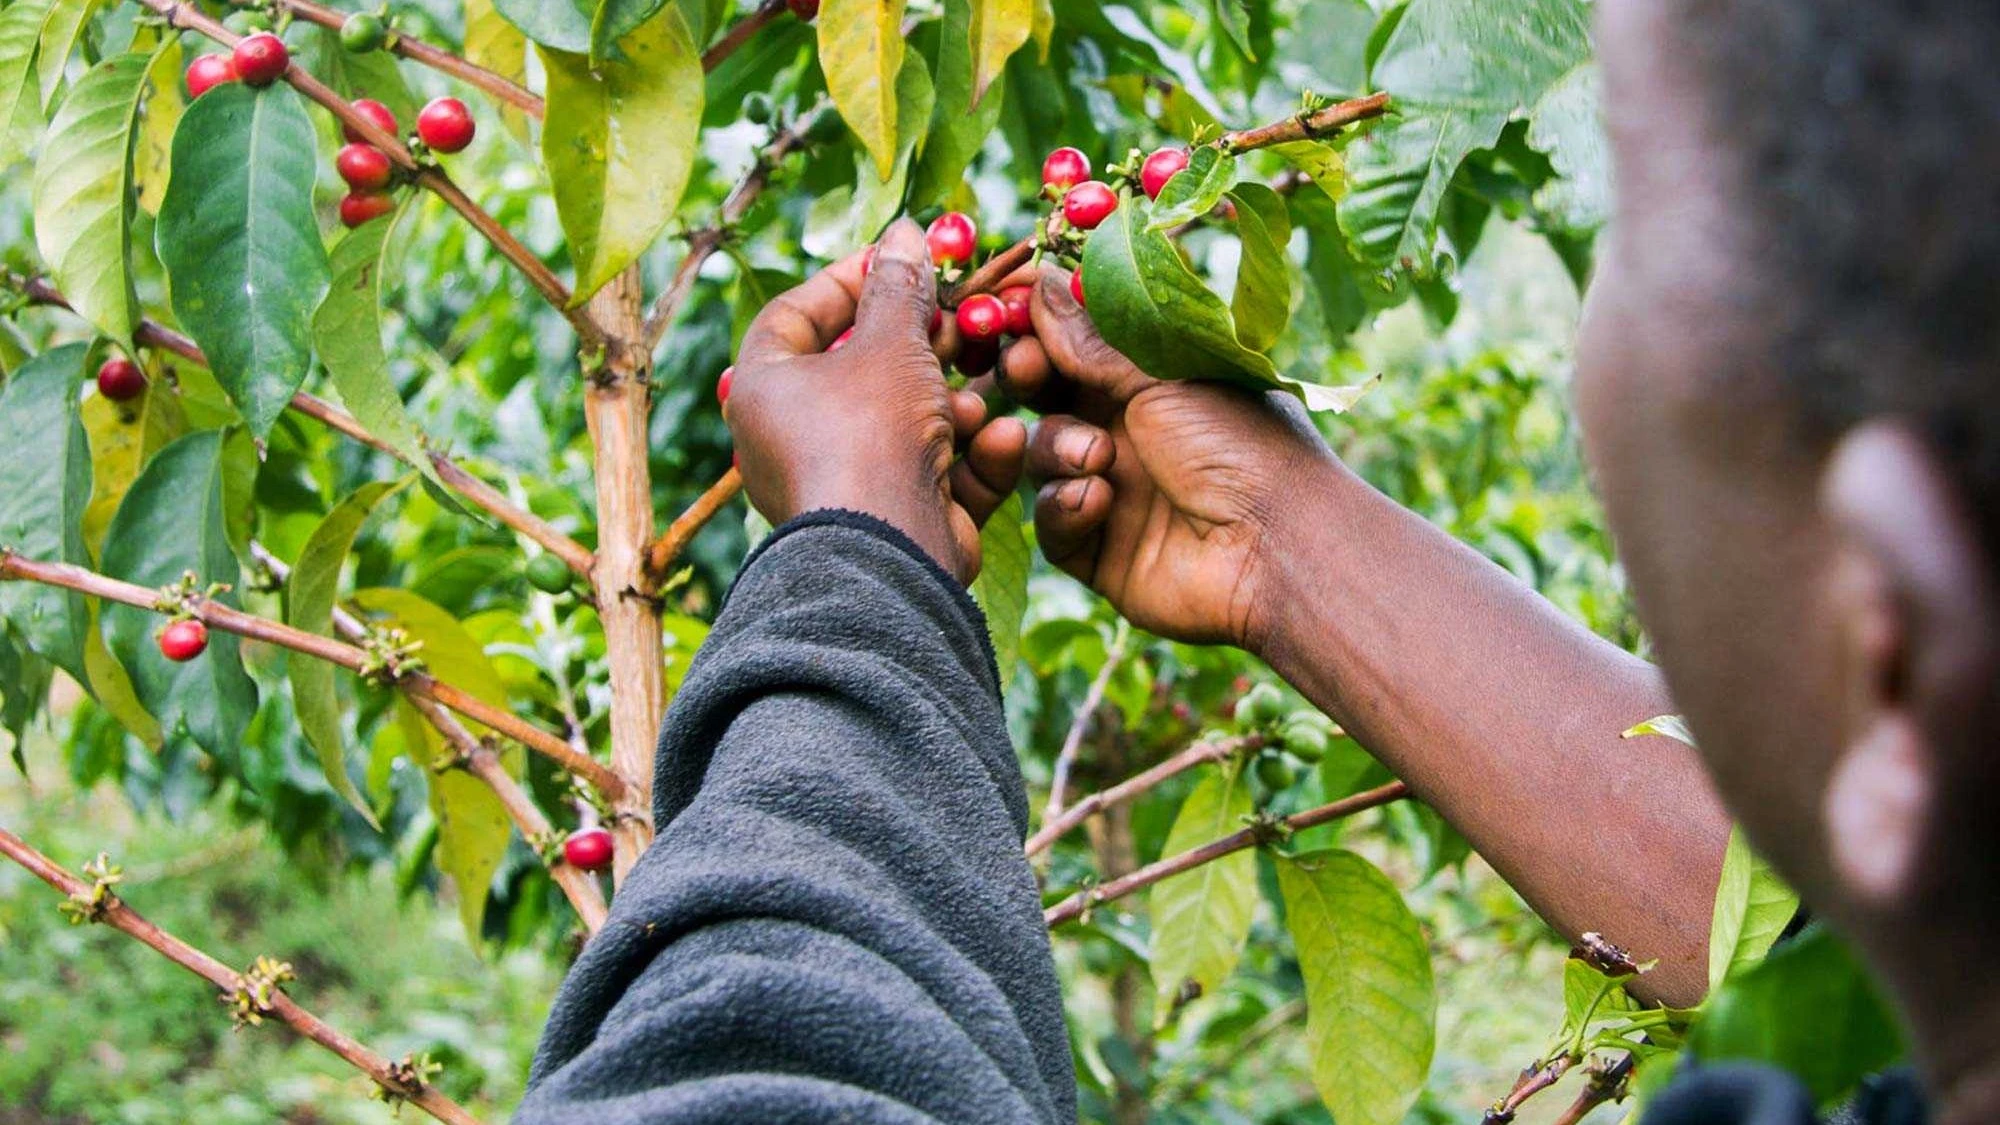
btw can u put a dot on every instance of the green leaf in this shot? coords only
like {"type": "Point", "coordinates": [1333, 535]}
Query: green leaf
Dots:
{"type": "Point", "coordinates": [311, 594]}
{"type": "Point", "coordinates": [861, 52]}
{"type": "Point", "coordinates": [1322, 162]}
{"type": "Point", "coordinates": [84, 198]}
{"type": "Point", "coordinates": [1201, 918]}
{"type": "Point", "coordinates": [347, 332]}
{"type": "Point", "coordinates": [1810, 1008]}
{"type": "Point", "coordinates": [1232, 22]}
{"type": "Point", "coordinates": [1669, 726]}
{"type": "Point", "coordinates": [1752, 907]}
{"type": "Point", "coordinates": [999, 28]}
{"type": "Point", "coordinates": [562, 25]}
{"type": "Point", "coordinates": [1458, 71]}
{"type": "Point", "coordinates": [1590, 997]}
{"type": "Point", "coordinates": [20, 34]}
{"type": "Point", "coordinates": [615, 19]}
{"type": "Point", "coordinates": [1569, 126]}
{"type": "Point", "coordinates": [24, 690]}
{"type": "Point", "coordinates": [619, 143]}
{"type": "Point", "coordinates": [44, 490]}
{"type": "Point", "coordinates": [1371, 1009]}
{"type": "Point", "coordinates": [61, 32]}
{"type": "Point", "coordinates": [1263, 302]}
{"type": "Point", "coordinates": [1194, 190]}
{"type": "Point", "coordinates": [1043, 26]}
{"type": "Point", "coordinates": [153, 152]}
{"type": "Point", "coordinates": [169, 524]}
{"type": "Point", "coordinates": [956, 129]}
{"type": "Point", "coordinates": [1002, 586]}
{"type": "Point", "coordinates": [241, 244]}
{"type": "Point", "coordinates": [123, 437]}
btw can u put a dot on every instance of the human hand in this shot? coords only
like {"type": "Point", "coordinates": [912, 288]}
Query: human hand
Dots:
{"type": "Point", "coordinates": [869, 427]}
{"type": "Point", "coordinates": [1172, 499]}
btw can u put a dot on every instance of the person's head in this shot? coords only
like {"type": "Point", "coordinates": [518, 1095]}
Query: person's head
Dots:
{"type": "Point", "coordinates": [1789, 380]}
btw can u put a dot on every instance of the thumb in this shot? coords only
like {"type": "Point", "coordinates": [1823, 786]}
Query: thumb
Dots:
{"type": "Point", "coordinates": [1074, 347]}
{"type": "Point", "coordinates": [899, 294]}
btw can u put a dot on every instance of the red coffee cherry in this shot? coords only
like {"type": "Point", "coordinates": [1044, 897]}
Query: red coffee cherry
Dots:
{"type": "Point", "coordinates": [357, 207]}
{"type": "Point", "coordinates": [1088, 204]}
{"type": "Point", "coordinates": [1159, 168]}
{"type": "Point", "coordinates": [588, 849]}
{"type": "Point", "coordinates": [1076, 287]}
{"type": "Point", "coordinates": [952, 238]}
{"type": "Point", "coordinates": [1017, 300]}
{"type": "Point", "coordinates": [120, 380]}
{"type": "Point", "coordinates": [1065, 168]}
{"type": "Point", "coordinates": [982, 317]}
{"type": "Point", "coordinates": [207, 72]}
{"type": "Point", "coordinates": [445, 125]}
{"type": "Point", "coordinates": [182, 641]}
{"type": "Point", "coordinates": [377, 114]}
{"type": "Point", "coordinates": [937, 320]}
{"type": "Point", "coordinates": [260, 58]}
{"type": "Point", "coordinates": [722, 384]}
{"type": "Point", "coordinates": [364, 167]}
{"type": "Point", "coordinates": [804, 9]}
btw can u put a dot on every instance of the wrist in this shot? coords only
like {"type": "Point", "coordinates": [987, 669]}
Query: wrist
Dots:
{"type": "Point", "coordinates": [914, 508]}
{"type": "Point", "coordinates": [1323, 502]}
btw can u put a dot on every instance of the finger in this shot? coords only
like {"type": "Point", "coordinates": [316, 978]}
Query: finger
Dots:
{"type": "Point", "coordinates": [994, 458]}
{"type": "Point", "coordinates": [1074, 346]}
{"type": "Point", "coordinates": [1069, 523]}
{"type": "Point", "coordinates": [1025, 374]}
{"type": "Point", "coordinates": [900, 292]}
{"type": "Point", "coordinates": [1063, 446]}
{"type": "Point", "coordinates": [966, 534]}
{"type": "Point", "coordinates": [968, 413]}
{"type": "Point", "coordinates": [805, 319]}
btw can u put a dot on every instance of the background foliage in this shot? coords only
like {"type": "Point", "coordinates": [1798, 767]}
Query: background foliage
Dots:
{"type": "Point", "coordinates": [1441, 249]}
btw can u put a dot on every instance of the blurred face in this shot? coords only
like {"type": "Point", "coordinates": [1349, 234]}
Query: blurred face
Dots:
{"type": "Point", "coordinates": [1711, 501]}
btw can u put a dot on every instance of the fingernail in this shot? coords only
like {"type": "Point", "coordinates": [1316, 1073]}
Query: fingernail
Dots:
{"type": "Point", "coordinates": [1076, 446]}
{"type": "Point", "coordinates": [904, 241]}
{"type": "Point", "coordinates": [1073, 494]}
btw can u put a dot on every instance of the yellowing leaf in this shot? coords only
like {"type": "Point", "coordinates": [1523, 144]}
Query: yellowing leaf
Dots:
{"type": "Point", "coordinates": [494, 43]}
{"type": "Point", "coordinates": [152, 158]}
{"type": "Point", "coordinates": [1044, 27]}
{"type": "Point", "coordinates": [1752, 907]}
{"type": "Point", "coordinates": [861, 51]}
{"type": "Point", "coordinates": [999, 28]}
{"type": "Point", "coordinates": [619, 142]}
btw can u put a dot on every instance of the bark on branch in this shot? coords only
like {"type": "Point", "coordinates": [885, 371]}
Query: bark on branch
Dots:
{"type": "Point", "coordinates": [1074, 906]}
{"type": "Point", "coordinates": [661, 552]}
{"type": "Point", "coordinates": [499, 87]}
{"type": "Point", "coordinates": [113, 912]}
{"type": "Point", "coordinates": [1210, 750]}
{"type": "Point", "coordinates": [1073, 741]}
{"type": "Point", "coordinates": [218, 616]}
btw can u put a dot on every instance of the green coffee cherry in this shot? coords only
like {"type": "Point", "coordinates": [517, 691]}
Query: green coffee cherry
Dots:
{"type": "Point", "coordinates": [757, 109]}
{"type": "Point", "coordinates": [1277, 772]}
{"type": "Point", "coordinates": [826, 127]}
{"type": "Point", "coordinates": [548, 574]}
{"type": "Point", "coordinates": [247, 21]}
{"type": "Point", "coordinates": [1306, 734]}
{"type": "Point", "coordinates": [363, 33]}
{"type": "Point", "coordinates": [1261, 705]}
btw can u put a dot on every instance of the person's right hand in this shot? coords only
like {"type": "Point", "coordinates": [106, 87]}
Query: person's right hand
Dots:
{"type": "Point", "coordinates": [1169, 498]}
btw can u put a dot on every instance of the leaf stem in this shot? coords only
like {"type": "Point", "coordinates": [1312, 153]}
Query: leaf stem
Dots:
{"type": "Point", "coordinates": [1073, 907]}
{"type": "Point", "coordinates": [1080, 723]}
{"type": "Point", "coordinates": [740, 34]}
{"type": "Point", "coordinates": [219, 616]}
{"type": "Point", "coordinates": [123, 918]}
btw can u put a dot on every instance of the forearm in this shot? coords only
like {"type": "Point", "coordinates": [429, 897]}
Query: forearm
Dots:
{"type": "Point", "coordinates": [1505, 716]}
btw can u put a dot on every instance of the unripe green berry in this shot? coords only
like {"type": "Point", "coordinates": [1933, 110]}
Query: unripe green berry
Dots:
{"type": "Point", "coordinates": [826, 127]}
{"type": "Point", "coordinates": [757, 109]}
{"type": "Point", "coordinates": [363, 32]}
{"type": "Point", "coordinates": [1260, 706]}
{"type": "Point", "coordinates": [247, 21]}
{"type": "Point", "coordinates": [1277, 772]}
{"type": "Point", "coordinates": [1305, 734]}
{"type": "Point", "coordinates": [548, 574]}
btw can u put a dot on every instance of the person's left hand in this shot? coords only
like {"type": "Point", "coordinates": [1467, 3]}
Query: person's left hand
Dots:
{"type": "Point", "coordinates": [870, 427]}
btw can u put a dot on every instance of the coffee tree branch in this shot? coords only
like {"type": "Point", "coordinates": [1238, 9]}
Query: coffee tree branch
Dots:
{"type": "Point", "coordinates": [482, 495]}
{"type": "Point", "coordinates": [1208, 750]}
{"type": "Point", "coordinates": [1073, 740]}
{"type": "Point", "coordinates": [13, 566]}
{"type": "Point", "coordinates": [394, 1078]}
{"type": "Point", "coordinates": [417, 51]}
{"type": "Point", "coordinates": [662, 552]}
{"type": "Point", "coordinates": [580, 887]}
{"type": "Point", "coordinates": [1073, 907]}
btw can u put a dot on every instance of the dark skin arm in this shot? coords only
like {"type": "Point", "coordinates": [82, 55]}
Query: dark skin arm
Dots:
{"type": "Point", "coordinates": [1211, 514]}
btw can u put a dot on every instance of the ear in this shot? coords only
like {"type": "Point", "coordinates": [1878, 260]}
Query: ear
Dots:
{"type": "Point", "coordinates": [1912, 605]}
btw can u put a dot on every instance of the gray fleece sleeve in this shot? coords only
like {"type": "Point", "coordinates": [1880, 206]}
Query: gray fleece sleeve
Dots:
{"type": "Point", "coordinates": [835, 921]}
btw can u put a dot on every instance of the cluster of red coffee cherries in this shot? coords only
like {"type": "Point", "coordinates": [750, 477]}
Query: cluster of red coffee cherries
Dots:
{"type": "Point", "coordinates": [953, 239]}
{"type": "Point", "coordinates": [443, 125]}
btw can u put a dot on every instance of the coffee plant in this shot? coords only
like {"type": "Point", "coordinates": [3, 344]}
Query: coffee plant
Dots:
{"type": "Point", "coordinates": [353, 357]}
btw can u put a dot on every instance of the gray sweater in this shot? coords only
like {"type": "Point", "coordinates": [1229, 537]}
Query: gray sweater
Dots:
{"type": "Point", "coordinates": [835, 922]}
